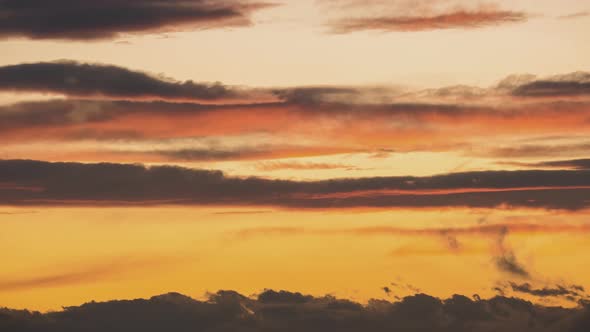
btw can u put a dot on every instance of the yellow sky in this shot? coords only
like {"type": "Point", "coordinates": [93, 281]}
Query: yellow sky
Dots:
{"type": "Point", "coordinates": [55, 256]}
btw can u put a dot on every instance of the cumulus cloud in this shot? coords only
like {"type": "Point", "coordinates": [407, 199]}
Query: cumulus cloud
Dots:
{"type": "Point", "coordinates": [287, 311]}
{"type": "Point", "coordinates": [35, 182]}
{"type": "Point", "coordinates": [91, 20]}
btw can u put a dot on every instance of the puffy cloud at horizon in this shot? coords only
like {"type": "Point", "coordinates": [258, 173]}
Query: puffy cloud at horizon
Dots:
{"type": "Point", "coordinates": [287, 311]}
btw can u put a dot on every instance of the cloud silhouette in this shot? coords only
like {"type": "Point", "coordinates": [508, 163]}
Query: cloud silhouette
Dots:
{"type": "Point", "coordinates": [26, 182]}
{"type": "Point", "coordinates": [92, 20]}
{"type": "Point", "coordinates": [569, 85]}
{"type": "Point", "coordinates": [286, 311]}
{"type": "Point", "coordinates": [97, 80]}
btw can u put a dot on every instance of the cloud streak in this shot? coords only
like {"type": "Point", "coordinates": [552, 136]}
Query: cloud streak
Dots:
{"type": "Point", "coordinates": [76, 79]}
{"type": "Point", "coordinates": [122, 184]}
{"type": "Point", "coordinates": [95, 20]}
{"type": "Point", "coordinates": [89, 274]}
{"type": "Point", "coordinates": [461, 19]}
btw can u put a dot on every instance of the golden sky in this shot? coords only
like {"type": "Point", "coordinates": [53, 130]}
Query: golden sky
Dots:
{"type": "Point", "coordinates": [319, 146]}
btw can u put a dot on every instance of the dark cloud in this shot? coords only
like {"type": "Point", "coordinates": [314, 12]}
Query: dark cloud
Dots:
{"type": "Point", "coordinates": [92, 80]}
{"type": "Point", "coordinates": [386, 290]}
{"type": "Point", "coordinates": [460, 19]}
{"type": "Point", "coordinates": [556, 291]}
{"type": "Point", "coordinates": [107, 19]}
{"type": "Point", "coordinates": [285, 311]}
{"type": "Point", "coordinates": [506, 260]}
{"type": "Point", "coordinates": [34, 182]}
{"type": "Point", "coordinates": [569, 85]}
{"type": "Point", "coordinates": [566, 164]}
{"type": "Point", "coordinates": [316, 95]}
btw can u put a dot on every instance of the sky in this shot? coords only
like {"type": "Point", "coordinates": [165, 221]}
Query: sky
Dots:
{"type": "Point", "coordinates": [362, 149]}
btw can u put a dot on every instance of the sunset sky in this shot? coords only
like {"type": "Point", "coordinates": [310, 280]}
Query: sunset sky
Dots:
{"type": "Point", "coordinates": [367, 149]}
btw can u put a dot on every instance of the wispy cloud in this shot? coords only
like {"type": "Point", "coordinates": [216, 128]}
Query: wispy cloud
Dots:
{"type": "Point", "coordinates": [452, 20]}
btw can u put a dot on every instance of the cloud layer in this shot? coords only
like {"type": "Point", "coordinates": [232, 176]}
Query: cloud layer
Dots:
{"type": "Point", "coordinates": [95, 80]}
{"type": "Point", "coordinates": [90, 20]}
{"type": "Point", "coordinates": [110, 103]}
{"type": "Point", "coordinates": [286, 311]}
{"type": "Point", "coordinates": [34, 182]}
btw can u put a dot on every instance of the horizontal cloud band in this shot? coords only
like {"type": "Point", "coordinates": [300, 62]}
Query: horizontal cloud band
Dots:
{"type": "Point", "coordinates": [91, 20]}
{"type": "Point", "coordinates": [26, 182]}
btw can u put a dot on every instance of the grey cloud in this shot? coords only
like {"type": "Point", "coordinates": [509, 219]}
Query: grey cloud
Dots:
{"type": "Point", "coordinates": [285, 311]}
{"type": "Point", "coordinates": [569, 85]}
{"type": "Point", "coordinates": [506, 260]}
{"type": "Point", "coordinates": [556, 291]}
{"type": "Point", "coordinates": [566, 164]}
{"type": "Point", "coordinates": [35, 182]}
{"type": "Point", "coordinates": [107, 19]}
{"type": "Point", "coordinates": [91, 80]}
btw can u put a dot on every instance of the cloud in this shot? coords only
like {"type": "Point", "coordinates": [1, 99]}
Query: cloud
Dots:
{"type": "Point", "coordinates": [286, 311]}
{"type": "Point", "coordinates": [568, 85]}
{"type": "Point", "coordinates": [575, 15]}
{"type": "Point", "coordinates": [124, 184]}
{"type": "Point", "coordinates": [87, 274]}
{"type": "Point", "coordinates": [328, 127]}
{"type": "Point", "coordinates": [556, 291]}
{"type": "Point", "coordinates": [496, 231]}
{"type": "Point", "coordinates": [564, 164]}
{"type": "Point", "coordinates": [540, 150]}
{"type": "Point", "coordinates": [274, 166]}
{"type": "Point", "coordinates": [151, 115]}
{"type": "Point", "coordinates": [460, 19]}
{"type": "Point", "coordinates": [97, 80]}
{"type": "Point", "coordinates": [94, 20]}
{"type": "Point", "coordinates": [506, 260]}
{"type": "Point", "coordinates": [252, 153]}
{"type": "Point", "coordinates": [503, 256]}
{"type": "Point", "coordinates": [508, 263]}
